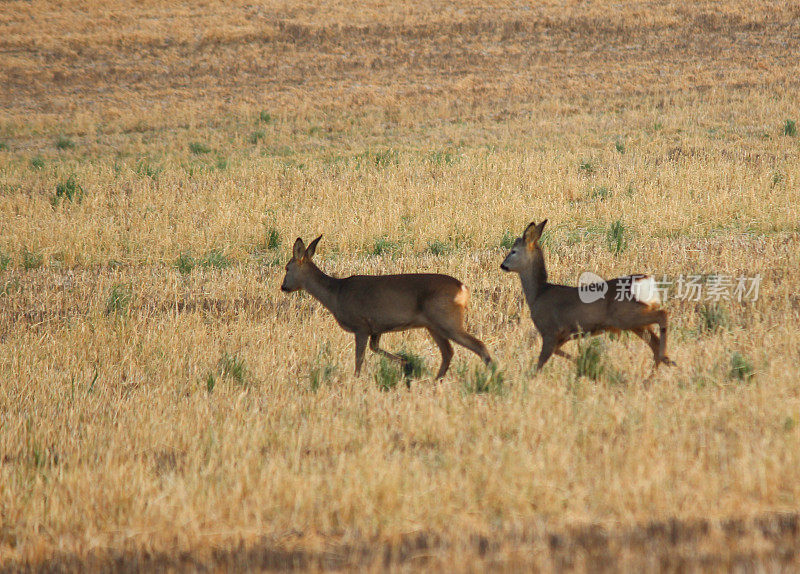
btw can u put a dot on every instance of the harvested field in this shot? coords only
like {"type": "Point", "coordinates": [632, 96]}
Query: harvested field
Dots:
{"type": "Point", "coordinates": [164, 406]}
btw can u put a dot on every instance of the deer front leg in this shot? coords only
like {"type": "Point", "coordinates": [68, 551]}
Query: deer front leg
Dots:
{"type": "Point", "coordinates": [548, 346]}
{"type": "Point", "coordinates": [662, 341]}
{"type": "Point", "coordinates": [361, 347]}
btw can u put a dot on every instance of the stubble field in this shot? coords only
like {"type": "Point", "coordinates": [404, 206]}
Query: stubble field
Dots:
{"type": "Point", "coordinates": [163, 404]}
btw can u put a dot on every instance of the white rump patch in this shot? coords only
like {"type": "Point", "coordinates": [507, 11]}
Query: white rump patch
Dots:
{"type": "Point", "coordinates": [645, 290]}
{"type": "Point", "coordinates": [462, 297]}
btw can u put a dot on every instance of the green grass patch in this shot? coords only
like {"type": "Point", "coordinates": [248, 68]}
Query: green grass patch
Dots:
{"type": "Point", "coordinates": [198, 148]}
{"type": "Point", "coordinates": [119, 299]}
{"type": "Point", "coordinates": [483, 380]}
{"type": "Point", "coordinates": [741, 368]}
{"type": "Point", "coordinates": [616, 237]}
{"type": "Point", "coordinates": [68, 190]}
{"type": "Point", "coordinates": [383, 246]}
{"type": "Point", "coordinates": [712, 317]}
{"type": "Point", "coordinates": [438, 248]}
{"type": "Point", "coordinates": [233, 367]}
{"type": "Point", "coordinates": [215, 259]}
{"type": "Point", "coordinates": [31, 259]}
{"type": "Point", "coordinates": [388, 374]}
{"type": "Point", "coordinates": [185, 263]}
{"type": "Point", "coordinates": [64, 143]}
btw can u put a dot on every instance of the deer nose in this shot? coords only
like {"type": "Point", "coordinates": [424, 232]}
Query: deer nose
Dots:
{"type": "Point", "coordinates": [503, 267]}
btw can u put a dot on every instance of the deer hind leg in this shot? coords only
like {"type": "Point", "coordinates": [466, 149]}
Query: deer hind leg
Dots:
{"type": "Point", "coordinates": [446, 349]}
{"type": "Point", "coordinates": [451, 325]}
{"type": "Point", "coordinates": [557, 351]}
{"type": "Point", "coordinates": [361, 347]}
{"type": "Point", "coordinates": [472, 343]}
{"type": "Point", "coordinates": [658, 343]}
{"type": "Point", "coordinates": [649, 336]}
{"type": "Point", "coordinates": [373, 344]}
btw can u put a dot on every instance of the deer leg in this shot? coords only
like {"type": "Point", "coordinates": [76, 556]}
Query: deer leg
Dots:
{"type": "Point", "coordinates": [473, 344]}
{"type": "Point", "coordinates": [560, 353]}
{"type": "Point", "coordinates": [662, 340]}
{"type": "Point", "coordinates": [647, 335]}
{"type": "Point", "coordinates": [548, 348]}
{"type": "Point", "coordinates": [446, 349]}
{"type": "Point", "coordinates": [373, 344]}
{"type": "Point", "coordinates": [361, 347]}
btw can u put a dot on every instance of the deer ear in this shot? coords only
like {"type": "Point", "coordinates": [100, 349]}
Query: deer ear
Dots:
{"type": "Point", "coordinates": [533, 232]}
{"type": "Point", "coordinates": [312, 248]}
{"type": "Point", "coordinates": [299, 249]}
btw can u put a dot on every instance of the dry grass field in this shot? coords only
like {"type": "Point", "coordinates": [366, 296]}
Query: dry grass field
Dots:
{"type": "Point", "coordinates": [164, 405]}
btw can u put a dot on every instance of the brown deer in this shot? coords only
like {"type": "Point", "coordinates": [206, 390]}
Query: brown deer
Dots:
{"type": "Point", "coordinates": [371, 305]}
{"type": "Point", "coordinates": [559, 312]}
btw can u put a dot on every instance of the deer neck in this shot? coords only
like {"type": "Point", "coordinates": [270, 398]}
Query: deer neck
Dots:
{"type": "Point", "coordinates": [323, 288]}
{"type": "Point", "coordinates": [534, 279]}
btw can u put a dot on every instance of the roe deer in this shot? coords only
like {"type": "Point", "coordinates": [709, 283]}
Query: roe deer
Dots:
{"type": "Point", "coordinates": [560, 314]}
{"type": "Point", "coordinates": [371, 305]}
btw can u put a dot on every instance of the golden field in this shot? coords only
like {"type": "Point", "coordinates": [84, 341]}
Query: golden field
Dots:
{"type": "Point", "coordinates": [164, 405]}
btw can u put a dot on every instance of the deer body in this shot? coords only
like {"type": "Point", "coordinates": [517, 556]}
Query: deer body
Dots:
{"type": "Point", "coordinates": [560, 315]}
{"type": "Point", "coordinates": [371, 305]}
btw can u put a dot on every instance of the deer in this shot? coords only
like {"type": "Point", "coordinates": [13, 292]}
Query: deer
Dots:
{"type": "Point", "coordinates": [370, 305]}
{"type": "Point", "coordinates": [560, 313]}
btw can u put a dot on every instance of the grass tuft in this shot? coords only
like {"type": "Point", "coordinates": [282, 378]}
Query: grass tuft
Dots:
{"type": "Point", "coordinates": [147, 169]}
{"type": "Point", "coordinates": [601, 192]}
{"type": "Point", "coordinates": [198, 148]}
{"type": "Point", "coordinates": [119, 299]}
{"type": "Point", "coordinates": [590, 361]}
{"type": "Point", "coordinates": [210, 382]}
{"type": "Point", "coordinates": [185, 263]}
{"type": "Point", "coordinates": [442, 157]}
{"type": "Point", "coordinates": [232, 366]}
{"type": "Point", "coordinates": [63, 143]}
{"type": "Point", "coordinates": [216, 260]}
{"type": "Point", "coordinates": [616, 237]}
{"type": "Point", "coordinates": [323, 370]}
{"type": "Point", "coordinates": [588, 167]}
{"type": "Point", "coordinates": [790, 128]}
{"type": "Point", "coordinates": [741, 367]}
{"type": "Point", "coordinates": [31, 259]}
{"type": "Point", "coordinates": [484, 380]}
{"type": "Point", "coordinates": [388, 374]}
{"type": "Point", "coordinates": [37, 162]}
{"type": "Point", "coordinates": [712, 317]}
{"type": "Point", "coordinates": [381, 159]}
{"type": "Point", "coordinates": [257, 136]}
{"type": "Point", "coordinates": [383, 245]}
{"type": "Point", "coordinates": [508, 239]}
{"type": "Point", "coordinates": [265, 117]}
{"type": "Point", "coordinates": [273, 240]}
{"type": "Point", "coordinates": [413, 366]}
{"type": "Point", "coordinates": [69, 190]}
{"type": "Point", "coordinates": [437, 247]}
